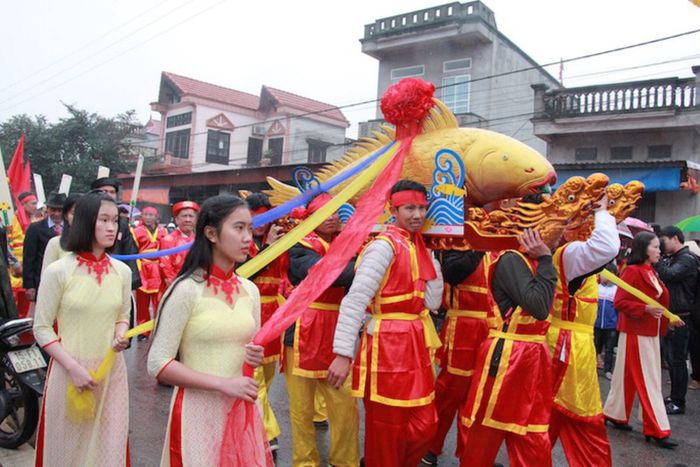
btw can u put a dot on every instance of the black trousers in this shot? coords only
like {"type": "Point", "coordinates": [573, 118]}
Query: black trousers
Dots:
{"type": "Point", "coordinates": [606, 338]}
{"type": "Point", "coordinates": [676, 354]}
{"type": "Point", "coordinates": [694, 346]}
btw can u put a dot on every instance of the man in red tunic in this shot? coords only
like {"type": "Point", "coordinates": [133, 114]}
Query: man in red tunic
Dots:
{"type": "Point", "coordinates": [469, 317]}
{"type": "Point", "coordinates": [511, 396]}
{"type": "Point", "coordinates": [148, 237]}
{"type": "Point", "coordinates": [308, 353]}
{"type": "Point", "coordinates": [393, 371]}
{"type": "Point", "coordinates": [185, 213]}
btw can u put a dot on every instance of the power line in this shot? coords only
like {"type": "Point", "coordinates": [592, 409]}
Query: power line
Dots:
{"type": "Point", "coordinates": [83, 47]}
{"type": "Point", "coordinates": [189, 18]}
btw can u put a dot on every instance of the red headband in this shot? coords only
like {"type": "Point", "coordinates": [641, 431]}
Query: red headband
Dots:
{"type": "Point", "coordinates": [402, 198]}
{"type": "Point", "coordinates": [28, 199]}
{"type": "Point", "coordinates": [185, 205]}
{"type": "Point", "coordinates": [317, 203]}
{"type": "Point", "coordinates": [259, 210]}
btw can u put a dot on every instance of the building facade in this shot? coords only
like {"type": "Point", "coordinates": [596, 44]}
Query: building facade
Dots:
{"type": "Point", "coordinates": [207, 127]}
{"type": "Point", "coordinates": [482, 76]}
{"type": "Point", "coordinates": [644, 130]}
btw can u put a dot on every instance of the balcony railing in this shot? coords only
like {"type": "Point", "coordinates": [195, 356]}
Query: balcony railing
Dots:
{"type": "Point", "coordinates": [622, 98]}
{"type": "Point", "coordinates": [430, 16]}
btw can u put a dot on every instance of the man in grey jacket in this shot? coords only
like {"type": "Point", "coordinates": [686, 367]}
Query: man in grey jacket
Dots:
{"type": "Point", "coordinates": [400, 281]}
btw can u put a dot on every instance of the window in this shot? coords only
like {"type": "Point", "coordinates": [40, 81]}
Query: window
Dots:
{"type": "Point", "coordinates": [179, 120]}
{"type": "Point", "coordinates": [455, 93]}
{"type": "Point", "coordinates": [660, 151]}
{"type": "Point", "coordinates": [255, 146]}
{"type": "Point", "coordinates": [275, 147]}
{"type": "Point", "coordinates": [457, 65]}
{"type": "Point", "coordinates": [621, 153]}
{"type": "Point", "coordinates": [177, 143]}
{"type": "Point", "coordinates": [586, 154]}
{"type": "Point", "coordinates": [217, 147]}
{"type": "Point", "coordinates": [317, 150]}
{"type": "Point", "coordinates": [407, 72]}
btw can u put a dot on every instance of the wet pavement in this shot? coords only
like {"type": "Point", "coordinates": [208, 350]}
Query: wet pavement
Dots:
{"type": "Point", "coordinates": [150, 405]}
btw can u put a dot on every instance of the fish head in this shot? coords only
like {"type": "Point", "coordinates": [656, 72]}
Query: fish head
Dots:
{"type": "Point", "coordinates": [500, 167]}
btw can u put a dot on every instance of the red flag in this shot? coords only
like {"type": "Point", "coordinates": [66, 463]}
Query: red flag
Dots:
{"type": "Point", "coordinates": [19, 177]}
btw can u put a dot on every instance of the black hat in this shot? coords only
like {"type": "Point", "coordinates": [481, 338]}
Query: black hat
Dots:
{"type": "Point", "coordinates": [105, 181]}
{"type": "Point", "coordinates": [55, 200]}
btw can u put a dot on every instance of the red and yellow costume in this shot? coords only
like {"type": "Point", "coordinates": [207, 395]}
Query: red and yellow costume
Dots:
{"type": "Point", "coordinates": [306, 369]}
{"type": "Point", "coordinates": [170, 265]}
{"type": "Point", "coordinates": [15, 241]}
{"type": "Point", "coordinates": [151, 281]}
{"type": "Point", "coordinates": [577, 415]}
{"type": "Point", "coordinates": [469, 316]}
{"type": "Point", "coordinates": [511, 396]}
{"type": "Point", "coordinates": [269, 282]}
{"type": "Point", "coordinates": [393, 370]}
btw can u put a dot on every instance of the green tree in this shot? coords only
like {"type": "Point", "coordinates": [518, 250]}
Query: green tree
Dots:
{"type": "Point", "coordinates": [75, 145]}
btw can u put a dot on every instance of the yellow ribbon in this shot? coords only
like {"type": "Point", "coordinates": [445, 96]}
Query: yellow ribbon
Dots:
{"type": "Point", "coordinates": [81, 404]}
{"type": "Point", "coordinates": [432, 339]}
{"type": "Point", "coordinates": [675, 320]}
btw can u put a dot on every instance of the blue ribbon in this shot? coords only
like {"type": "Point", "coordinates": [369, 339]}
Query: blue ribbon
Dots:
{"type": "Point", "coordinates": [154, 254]}
{"type": "Point", "coordinates": [306, 196]}
{"type": "Point", "coordinates": [278, 211]}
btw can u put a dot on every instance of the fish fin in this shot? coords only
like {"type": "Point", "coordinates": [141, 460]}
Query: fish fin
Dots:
{"type": "Point", "coordinates": [355, 154]}
{"type": "Point", "coordinates": [280, 192]}
{"type": "Point", "coordinates": [440, 118]}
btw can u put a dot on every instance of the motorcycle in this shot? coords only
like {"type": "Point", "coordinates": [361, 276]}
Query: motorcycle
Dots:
{"type": "Point", "coordinates": [23, 372]}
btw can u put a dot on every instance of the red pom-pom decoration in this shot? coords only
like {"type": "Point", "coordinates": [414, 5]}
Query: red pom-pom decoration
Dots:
{"type": "Point", "coordinates": [405, 105]}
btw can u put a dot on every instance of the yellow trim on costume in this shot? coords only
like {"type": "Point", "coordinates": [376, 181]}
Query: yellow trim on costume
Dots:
{"type": "Point", "coordinates": [265, 299]}
{"type": "Point", "coordinates": [451, 331]}
{"type": "Point", "coordinates": [512, 336]}
{"type": "Point", "coordinates": [360, 391]}
{"type": "Point", "coordinates": [432, 339]}
{"type": "Point", "coordinates": [571, 325]}
{"type": "Point", "coordinates": [455, 313]}
{"type": "Point", "coordinates": [325, 306]}
{"type": "Point", "coordinates": [399, 298]}
{"type": "Point", "coordinates": [469, 419]}
{"type": "Point", "coordinates": [268, 280]}
{"type": "Point", "coordinates": [317, 374]}
{"type": "Point", "coordinates": [374, 395]}
{"type": "Point", "coordinates": [472, 288]}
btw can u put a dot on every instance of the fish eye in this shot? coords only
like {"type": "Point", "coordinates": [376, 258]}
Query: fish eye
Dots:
{"type": "Point", "coordinates": [571, 198]}
{"type": "Point", "coordinates": [611, 202]}
{"type": "Point", "coordinates": [505, 157]}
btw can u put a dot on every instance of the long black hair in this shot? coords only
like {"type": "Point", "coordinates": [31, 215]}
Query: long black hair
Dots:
{"type": "Point", "coordinates": [67, 206]}
{"type": "Point", "coordinates": [82, 234]}
{"type": "Point", "coordinates": [213, 212]}
{"type": "Point", "coordinates": [640, 244]}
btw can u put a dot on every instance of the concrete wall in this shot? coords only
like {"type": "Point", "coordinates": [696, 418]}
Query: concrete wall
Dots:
{"type": "Point", "coordinates": [497, 99]}
{"type": "Point", "coordinates": [238, 146]}
{"type": "Point", "coordinates": [303, 128]}
{"type": "Point", "coordinates": [674, 206]}
{"type": "Point", "coordinates": [685, 144]}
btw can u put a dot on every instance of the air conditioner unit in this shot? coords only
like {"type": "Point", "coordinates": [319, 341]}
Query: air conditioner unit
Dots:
{"type": "Point", "coordinates": [259, 130]}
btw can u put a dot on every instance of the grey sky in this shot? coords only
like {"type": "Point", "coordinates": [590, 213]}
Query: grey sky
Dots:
{"type": "Point", "coordinates": [80, 51]}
